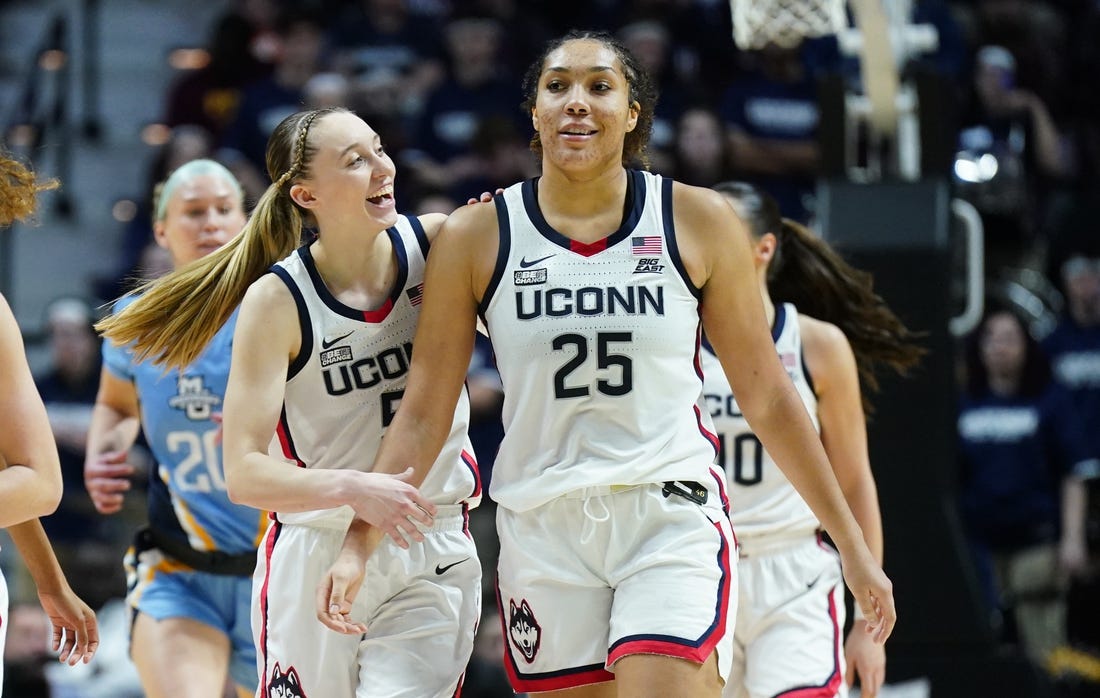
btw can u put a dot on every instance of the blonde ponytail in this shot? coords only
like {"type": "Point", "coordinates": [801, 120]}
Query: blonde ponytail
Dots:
{"type": "Point", "coordinates": [177, 315]}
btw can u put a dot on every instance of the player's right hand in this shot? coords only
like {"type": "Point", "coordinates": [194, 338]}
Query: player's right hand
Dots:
{"type": "Point", "coordinates": [107, 478]}
{"type": "Point", "coordinates": [337, 591]}
{"type": "Point", "coordinates": [75, 628]}
{"type": "Point", "coordinates": [872, 590]}
{"type": "Point", "coordinates": [391, 504]}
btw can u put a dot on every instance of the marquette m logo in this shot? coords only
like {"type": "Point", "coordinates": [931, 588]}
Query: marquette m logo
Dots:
{"type": "Point", "coordinates": [196, 400]}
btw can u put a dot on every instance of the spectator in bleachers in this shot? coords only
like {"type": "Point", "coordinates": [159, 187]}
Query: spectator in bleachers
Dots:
{"type": "Point", "coordinates": [650, 41]}
{"type": "Point", "coordinates": [210, 96]}
{"type": "Point", "coordinates": [772, 117]}
{"type": "Point", "coordinates": [268, 101]}
{"type": "Point", "coordinates": [1015, 127]}
{"type": "Point", "coordinates": [524, 27]}
{"type": "Point", "coordinates": [1036, 34]}
{"type": "Point", "coordinates": [389, 37]}
{"type": "Point", "coordinates": [1024, 465]}
{"type": "Point", "coordinates": [447, 153]}
{"type": "Point", "coordinates": [1074, 345]}
{"type": "Point", "coordinates": [701, 154]}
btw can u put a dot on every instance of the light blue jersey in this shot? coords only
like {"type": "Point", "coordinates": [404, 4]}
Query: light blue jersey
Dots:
{"type": "Point", "coordinates": [188, 504]}
{"type": "Point", "coordinates": [187, 495]}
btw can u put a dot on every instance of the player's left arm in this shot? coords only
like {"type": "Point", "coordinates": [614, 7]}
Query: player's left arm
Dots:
{"type": "Point", "coordinates": [832, 367]}
{"type": "Point", "coordinates": [716, 253]}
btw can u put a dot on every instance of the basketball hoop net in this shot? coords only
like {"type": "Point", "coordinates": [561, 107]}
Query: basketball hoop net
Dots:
{"type": "Point", "coordinates": [785, 23]}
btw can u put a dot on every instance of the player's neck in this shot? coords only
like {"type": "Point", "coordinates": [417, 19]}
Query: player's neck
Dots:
{"type": "Point", "coordinates": [769, 305]}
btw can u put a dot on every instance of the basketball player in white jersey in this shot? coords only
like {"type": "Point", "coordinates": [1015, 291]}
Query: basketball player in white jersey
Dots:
{"type": "Point", "coordinates": [790, 615]}
{"type": "Point", "coordinates": [594, 281]}
{"type": "Point", "coordinates": [30, 473]}
{"type": "Point", "coordinates": [320, 354]}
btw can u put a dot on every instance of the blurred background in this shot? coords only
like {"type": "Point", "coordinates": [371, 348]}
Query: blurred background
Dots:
{"type": "Point", "coordinates": [949, 147]}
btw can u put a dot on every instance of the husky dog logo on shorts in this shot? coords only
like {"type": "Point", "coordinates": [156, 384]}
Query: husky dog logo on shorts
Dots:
{"type": "Point", "coordinates": [286, 685]}
{"type": "Point", "coordinates": [524, 629]}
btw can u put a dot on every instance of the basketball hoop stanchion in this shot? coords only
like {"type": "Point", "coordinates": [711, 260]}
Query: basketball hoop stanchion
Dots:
{"type": "Point", "coordinates": [886, 110]}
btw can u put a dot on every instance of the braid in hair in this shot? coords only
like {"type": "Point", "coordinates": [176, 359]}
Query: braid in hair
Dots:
{"type": "Point", "coordinates": [299, 148]}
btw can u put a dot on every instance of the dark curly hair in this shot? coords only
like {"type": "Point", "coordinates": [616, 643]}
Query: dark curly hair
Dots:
{"type": "Point", "coordinates": [642, 91]}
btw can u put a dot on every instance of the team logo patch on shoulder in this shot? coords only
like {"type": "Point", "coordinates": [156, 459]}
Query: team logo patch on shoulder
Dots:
{"type": "Point", "coordinates": [649, 265]}
{"type": "Point", "coordinates": [335, 356]}
{"type": "Point", "coordinates": [523, 630]}
{"type": "Point", "coordinates": [530, 277]}
{"type": "Point", "coordinates": [285, 684]}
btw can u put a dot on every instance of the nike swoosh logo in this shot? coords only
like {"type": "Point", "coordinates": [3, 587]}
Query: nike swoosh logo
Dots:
{"type": "Point", "coordinates": [811, 584]}
{"type": "Point", "coordinates": [523, 263]}
{"type": "Point", "coordinates": [326, 343]}
{"type": "Point", "coordinates": [440, 569]}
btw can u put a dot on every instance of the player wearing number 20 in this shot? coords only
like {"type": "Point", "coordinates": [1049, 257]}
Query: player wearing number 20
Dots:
{"type": "Point", "coordinates": [790, 613]}
{"type": "Point", "coordinates": [190, 571]}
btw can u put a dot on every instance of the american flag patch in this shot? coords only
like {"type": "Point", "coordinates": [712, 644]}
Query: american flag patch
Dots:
{"type": "Point", "coordinates": [646, 246]}
{"type": "Point", "coordinates": [416, 294]}
{"type": "Point", "coordinates": [789, 359]}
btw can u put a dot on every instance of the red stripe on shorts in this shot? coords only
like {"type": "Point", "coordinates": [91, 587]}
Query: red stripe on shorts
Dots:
{"type": "Point", "coordinates": [699, 650]}
{"type": "Point", "coordinates": [832, 685]}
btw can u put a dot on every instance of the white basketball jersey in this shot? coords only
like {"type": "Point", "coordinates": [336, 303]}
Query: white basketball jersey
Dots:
{"type": "Point", "coordinates": [344, 387]}
{"type": "Point", "coordinates": [762, 499]}
{"type": "Point", "coordinates": [598, 350]}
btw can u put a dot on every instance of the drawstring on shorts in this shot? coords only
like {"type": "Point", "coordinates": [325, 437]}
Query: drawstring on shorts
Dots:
{"type": "Point", "coordinates": [590, 519]}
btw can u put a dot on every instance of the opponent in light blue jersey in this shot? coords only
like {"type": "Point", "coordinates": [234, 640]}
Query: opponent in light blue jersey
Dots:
{"type": "Point", "coordinates": [190, 570]}
{"type": "Point", "coordinates": [187, 498]}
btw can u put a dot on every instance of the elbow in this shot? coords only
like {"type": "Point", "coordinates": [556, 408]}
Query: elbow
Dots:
{"type": "Point", "coordinates": [234, 489]}
{"type": "Point", "coordinates": [48, 492]}
{"type": "Point", "coordinates": [236, 482]}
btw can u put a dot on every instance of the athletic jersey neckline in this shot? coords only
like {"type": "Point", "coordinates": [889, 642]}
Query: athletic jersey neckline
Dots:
{"type": "Point", "coordinates": [633, 207]}
{"type": "Point", "coordinates": [333, 304]}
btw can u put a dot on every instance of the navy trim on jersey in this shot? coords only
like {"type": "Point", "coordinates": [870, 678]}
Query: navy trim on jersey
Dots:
{"type": "Point", "coordinates": [372, 316]}
{"type": "Point", "coordinates": [633, 206]}
{"type": "Point", "coordinates": [504, 248]}
{"type": "Point", "coordinates": [305, 325]}
{"type": "Point", "coordinates": [670, 238]}
{"type": "Point", "coordinates": [286, 439]}
{"type": "Point", "coordinates": [778, 321]}
{"type": "Point", "coordinates": [421, 236]}
{"type": "Point", "coordinates": [806, 370]}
